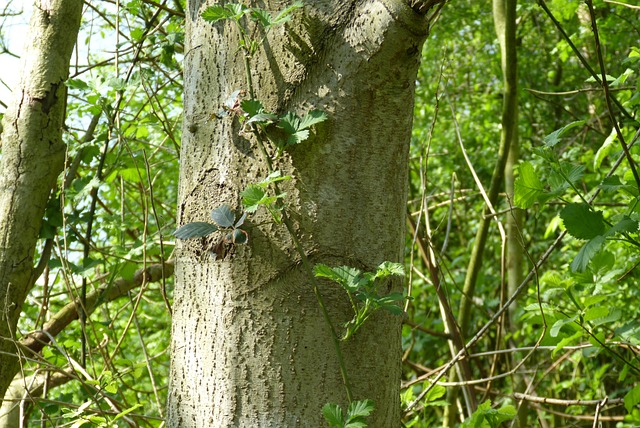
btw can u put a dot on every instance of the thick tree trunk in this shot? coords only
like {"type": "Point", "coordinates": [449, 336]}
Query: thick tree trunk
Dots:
{"type": "Point", "coordinates": [250, 346]}
{"type": "Point", "coordinates": [32, 159]}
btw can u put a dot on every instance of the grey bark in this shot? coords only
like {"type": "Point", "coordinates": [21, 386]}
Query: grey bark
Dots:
{"type": "Point", "coordinates": [249, 344]}
{"type": "Point", "coordinates": [32, 159]}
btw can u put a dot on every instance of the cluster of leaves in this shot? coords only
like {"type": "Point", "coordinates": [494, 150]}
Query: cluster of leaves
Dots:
{"type": "Point", "coordinates": [236, 12]}
{"type": "Point", "coordinates": [354, 417]}
{"type": "Point", "coordinates": [283, 130]}
{"type": "Point", "coordinates": [488, 417]}
{"type": "Point", "coordinates": [362, 289]}
{"type": "Point", "coordinates": [224, 221]}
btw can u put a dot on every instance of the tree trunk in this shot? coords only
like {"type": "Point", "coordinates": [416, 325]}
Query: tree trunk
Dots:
{"type": "Point", "coordinates": [250, 345]}
{"type": "Point", "coordinates": [32, 158]}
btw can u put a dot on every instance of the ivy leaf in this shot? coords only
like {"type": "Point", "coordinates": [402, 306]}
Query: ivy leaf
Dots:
{"type": "Point", "coordinates": [528, 187]}
{"type": "Point", "coordinates": [195, 230]}
{"type": "Point", "coordinates": [311, 118]}
{"type": "Point", "coordinates": [582, 222]}
{"type": "Point", "coordinates": [586, 253]}
{"type": "Point", "coordinates": [223, 216]}
{"type": "Point", "coordinates": [555, 137]}
{"type": "Point", "coordinates": [333, 415]}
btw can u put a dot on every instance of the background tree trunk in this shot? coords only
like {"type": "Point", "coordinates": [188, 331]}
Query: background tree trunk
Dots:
{"type": "Point", "coordinates": [250, 346]}
{"type": "Point", "coordinates": [32, 158]}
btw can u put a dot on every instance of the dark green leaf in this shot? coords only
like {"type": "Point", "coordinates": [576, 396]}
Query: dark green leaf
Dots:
{"type": "Point", "coordinates": [586, 253]}
{"type": "Point", "coordinates": [223, 216]}
{"type": "Point", "coordinates": [241, 219]}
{"type": "Point", "coordinates": [240, 236]}
{"type": "Point", "coordinates": [625, 224]}
{"type": "Point", "coordinates": [195, 230]}
{"type": "Point", "coordinates": [582, 222]}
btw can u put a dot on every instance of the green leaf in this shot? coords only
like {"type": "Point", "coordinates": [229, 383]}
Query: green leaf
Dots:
{"type": "Point", "coordinates": [582, 222]}
{"type": "Point", "coordinates": [612, 316]}
{"type": "Point", "coordinates": [274, 177]}
{"type": "Point", "coordinates": [262, 17]}
{"type": "Point", "coordinates": [333, 415]}
{"type": "Point", "coordinates": [214, 14]}
{"type": "Point", "coordinates": [252, 107]}
{"type": "Point", "coordinates": [528, 187]}
{"type": "Point", "coordinates": [436, 392]}
{"type": "Point", "coordinates": [285, 14]}
{"type": "Point", "coordinates": [195, 230]}
{"type": "Point", "coordinates": [555, 137]}
{"type": "Point", "coordinates": [387, 269]}
{"type": "Point", "coordinates": [357, 411]}
{"type": "Point", "coordinates": [596, 312]}
{"type": "Point", "coordinates": [625, 224]}
{"type": "Point", "coordinates": [349, 278]}
{"type": "Point", "coordinates": [586, 253]}
{"type": "Point", "coordinates": [240, 236]}
{"type": "Point", "coordinates": [254, 196]}
{"type": "Point", "coordinates": [263, 118]}
{"type": "Point", "coordinates": [223, 216]}
{"type": "Point", "coordinates": [605, 149]}
{"type": "Point", "coordinates": [241, 220]}
{"type": "Point", "coordinates": [632, 398]}
{"type": "Point", "coordinates": [557, 326]}
{"type": "Point", "coordinates": [311, 118]}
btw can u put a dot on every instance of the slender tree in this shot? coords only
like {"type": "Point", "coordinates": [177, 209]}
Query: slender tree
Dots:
{"type": "Point", "coordinates": [32, 158]}
{"type": "Point", "coordinates": [251, 346]}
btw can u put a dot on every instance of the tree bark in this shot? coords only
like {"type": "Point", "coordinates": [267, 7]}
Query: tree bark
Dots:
{"type": "Point", "coordinates": [32, 158]}
{"type": "Point", "coordinates": [250, 346]}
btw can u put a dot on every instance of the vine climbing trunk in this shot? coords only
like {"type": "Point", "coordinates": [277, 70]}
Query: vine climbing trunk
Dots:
{"type": "Point", "coordinates": [32, 158]}
{"type": "Point", "coordinates": [250, 345]}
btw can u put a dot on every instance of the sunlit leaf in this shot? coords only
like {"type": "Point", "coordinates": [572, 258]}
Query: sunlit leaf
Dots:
{"type": "Point", "coordinates": [311, 118]}
{"type": "Point", "coordinates": [528, 187]}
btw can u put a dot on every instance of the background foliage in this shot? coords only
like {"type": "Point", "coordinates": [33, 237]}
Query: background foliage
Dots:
{"type": "Point", "coordinates": [574, 334]}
